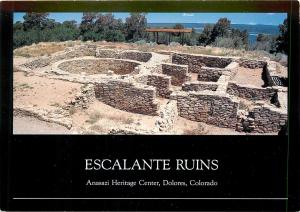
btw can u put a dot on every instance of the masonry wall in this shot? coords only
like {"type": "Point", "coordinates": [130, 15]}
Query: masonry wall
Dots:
{"type": "Point", "coordinates": [179, 73]}
{"type": "Point", "coordinates": [208, 107]}
{"type": "Point", "coordinates": [246, 63]}
{"type": "Point", "coordinates": [98, 66]}
{"type": "Point", "coordinates": [231, 69]}
{"type": "Point", "coordinates": [77, 51]}
{"type": "Point", "coordinates": [199, 86]}
{"type": "Point", "coordinates": [167, 116]}
{"type": "Point", "coordinates": [209, 74]}
{"type": "Point", "coordinates": [106, 53]}
{"type": "Point", "coordinates": [161, 82]}
{"type": "Point", "coordinates": [38, 63]}
{"type": "Point", "coordinates": [273, 79]}
{"type": "Point", "coordinates": [250, 93]}
{"type": "Point", "coordinates": [135, 55]}
{"type": "Point", "coordinates": [268, 119]}
{"type": "Point", "coordinates": [132, 97]}
{"type": "Point", "coordinates": [129, 54]}
{"type": "Point", "coordinates": [195, 62]}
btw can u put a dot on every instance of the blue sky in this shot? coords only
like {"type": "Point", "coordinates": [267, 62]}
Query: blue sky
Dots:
{"type": "Point", "coordinates": [236, 18]}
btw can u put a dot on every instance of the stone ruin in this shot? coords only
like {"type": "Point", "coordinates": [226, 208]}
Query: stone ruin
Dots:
{"type": "Point", "coordinates": [199, 88]}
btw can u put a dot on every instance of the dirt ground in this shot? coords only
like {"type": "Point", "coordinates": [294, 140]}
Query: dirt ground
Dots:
{"type": "Point", "coordinates": [100, 118]}
{"type": "Point", "coordinates": [42, 92]}
{"type": "Point", "coordinates": [249, 76]}
{"type": "Point", "coordinates": [50, 94]}
{"type": "Point", "coordinates": [31, 125]}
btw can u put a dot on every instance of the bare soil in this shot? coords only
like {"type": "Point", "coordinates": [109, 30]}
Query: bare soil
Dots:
{"type": "Point", "coordinates": [249, 76]}
{"type": "Point", "coordinates": [188, 127]}
{"type": "Point", "coordinates": [42, 92]}
{"type": "Point", "coordinates": [31, 125]}
{"type": "Point", "coordinates": [100, 118]}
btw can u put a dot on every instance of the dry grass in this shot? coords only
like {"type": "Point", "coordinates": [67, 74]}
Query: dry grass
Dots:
{"type": "Point", "coordinates": [72, 110]}
{"type": "Point", "coordinates": [56, 104]}
{"type": "Point", "coordinates": [96, 116]}
{"type": "Point", "coordinates": [47, 48]}
{"type": "Point", "coordinates": [208, 50]}
{"type": "Point", "coordinates": [128, 120]}
{"type": "Point", "coordinates": [97, 128]}
{"type": "Point", "coordinates": [22, 86]}
{"type": "Point", "coordinates": [43, 48]}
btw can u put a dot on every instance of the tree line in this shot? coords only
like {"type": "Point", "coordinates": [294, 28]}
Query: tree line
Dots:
{"type": "Point", "coordinates": [38, 27]}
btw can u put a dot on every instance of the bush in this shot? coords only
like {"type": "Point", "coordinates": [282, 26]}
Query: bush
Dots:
{"type": "Point", "coordinates": [114, 35]}
{"type": "Point", "coordinates": [91, 35]}
{"type": "Point", "coordinates": [229, 42]}
{"type": "Point", "coordinates": [265, 43]}
{"type": "Point", "coordinates": [174, 44]}
{"type": "Point", "coordinates": [61, 33]}
{"type": "Point", "coordinates": [135, 26]}
{"type": "Point", "coordinates": [22, 38]}
{"type": "Point", "coordinates": [224, 42]}
{"type": "Point", "coordinates": [152, 44]}
{"type": "Point", "coordinates": [141, 42]}
{"type": "Point", "coordinates": [281, 58]}
{"type": "Point", "coordinates": [192, 42]}
{"type": "Point", "coordinates": [58, 33]}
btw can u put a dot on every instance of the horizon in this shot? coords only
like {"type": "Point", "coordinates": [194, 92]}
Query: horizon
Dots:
{"type": "Point", "coordinates": [269, 19]}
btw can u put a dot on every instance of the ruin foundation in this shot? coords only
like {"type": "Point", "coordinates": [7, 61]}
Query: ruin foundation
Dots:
{"type": "Point", "coordinates": [199, 88]}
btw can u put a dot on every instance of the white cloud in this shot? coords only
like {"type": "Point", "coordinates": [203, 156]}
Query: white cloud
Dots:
{"type": "Point", "coordinates": [271, 13]}
{"type": "Point", "coordinates": [188, 14]}
{"type": "Point", "coordinates": [252, 23]}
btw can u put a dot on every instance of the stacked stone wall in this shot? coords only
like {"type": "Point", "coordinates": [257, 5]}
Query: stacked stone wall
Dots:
{"type": "Point", "coordinates": [38, 63]}
{"type": "Point", "coordinates": [179, 73]}
{"type": "Point", "coordinates": [208, 107]}
{"type": "Point", "coordinates": [246, 63]}
{"type": "Point", "coordinates": [232, 69]}
{"type": "Point", "coordinates": [250, 93]}
{"type": "Point", "coordinates": [135, 55]}
{"type": "Point", "coordinates": [167, 116]}
{"type": "Point", "coordinates": [268, 119]}
{"type": "Point", "coordinates": [199, 86]}
{"type": "Point", "coordinates": [244, 122]}
{"type": "Point", "coordinates": [162, 84]}
{"type": "Point", "coordinates": [77, 51]}
{"type": "Point", "coordinates": [106, 53]}
{"type": "Point", "coordinates": [129, 54]}
{"type": "Point", "coordinates": [128, 96]}
{"type": "Point", "coordinates": [195, 62]}
{"type": "Point", "coordinates": [98, 66]}
{"type": "Point", "coordinates": [273, 78]}
{"type": "Point", "coordinates": [83, 98]}
{"type": "Point", "coordinates": [209, 74]}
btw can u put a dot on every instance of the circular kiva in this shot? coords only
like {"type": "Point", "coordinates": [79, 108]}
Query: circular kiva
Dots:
{"type": "Point", "coordinates": [98, 66]}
